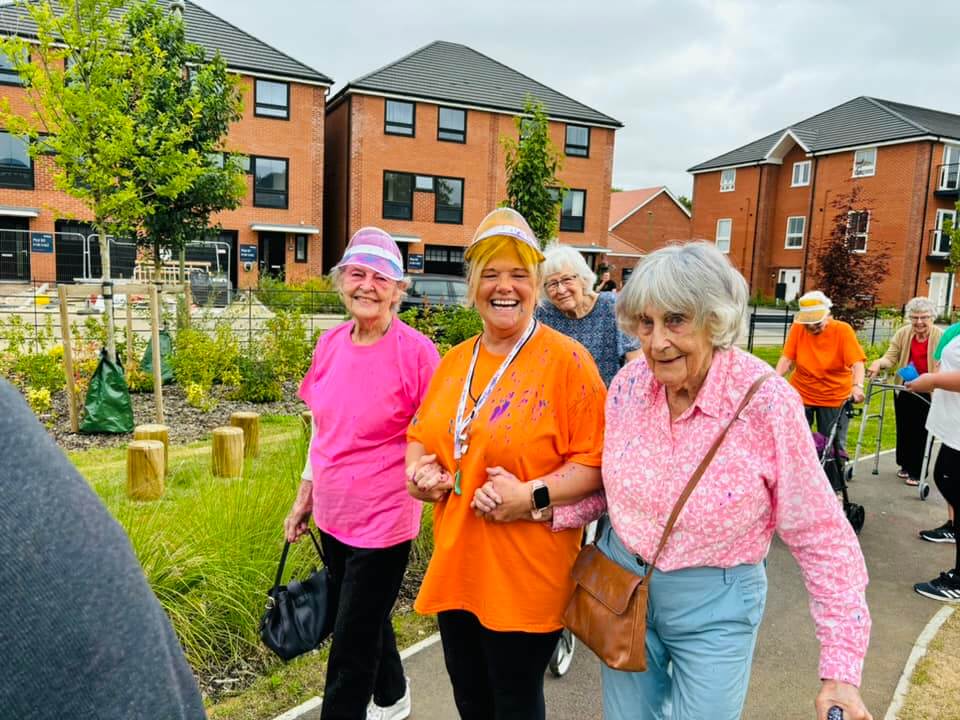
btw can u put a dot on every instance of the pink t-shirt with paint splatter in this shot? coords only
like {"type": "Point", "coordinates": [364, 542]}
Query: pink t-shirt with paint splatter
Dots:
{"type": "Point", "coordinates": [362, 398]}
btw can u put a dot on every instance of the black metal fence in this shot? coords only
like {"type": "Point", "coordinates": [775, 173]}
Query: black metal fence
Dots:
{"type": "Point", "coordinates": [770, 326]}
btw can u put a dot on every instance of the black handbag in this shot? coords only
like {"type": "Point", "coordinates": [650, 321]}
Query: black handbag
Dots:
{"type": "Point", "coordinates": [299, 615]}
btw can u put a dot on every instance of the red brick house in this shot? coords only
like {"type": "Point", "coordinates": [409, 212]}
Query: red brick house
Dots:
{"type": "Point", "coordinates": [768, 203]}
{"type": "Point", "coordinates": [640, 221]}
{"type": "Point", "coordinates": [277, 229]}
{"type": "Point", "coordinates": [414, 148]}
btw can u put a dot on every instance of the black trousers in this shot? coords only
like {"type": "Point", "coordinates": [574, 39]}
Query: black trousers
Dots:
{"type": "Point", "coordinates": [364, 660]}
{"type": "Point", "coordinates": [947, 475]}
{"type": "Point", "coordinates": [911, 414]}
{"type": "Point", "coordinates": [495, 675]}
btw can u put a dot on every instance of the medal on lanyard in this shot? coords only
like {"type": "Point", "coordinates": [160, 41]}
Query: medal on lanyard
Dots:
{"type": "Point", "coordinates": [461, 428]}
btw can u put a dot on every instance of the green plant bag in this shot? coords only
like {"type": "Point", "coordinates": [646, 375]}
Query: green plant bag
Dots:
{"type": "Point", "coordinates": [166, 351]}
{"type": "Point", "coordinates": [108, 408]}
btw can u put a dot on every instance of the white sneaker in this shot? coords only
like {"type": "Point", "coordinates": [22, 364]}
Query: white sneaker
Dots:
{"type": "Point", "coordinates": [398, 711]}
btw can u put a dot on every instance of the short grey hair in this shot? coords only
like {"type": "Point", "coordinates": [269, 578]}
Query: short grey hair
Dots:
{"type": "Point", "coordinates": [558, 258]}
{"type": "Point", "coordinates": [336, 277]}
{"type": "Point", "coordinates": [920, 306]}
{"type": "Point", "coordinates": [694, 279]}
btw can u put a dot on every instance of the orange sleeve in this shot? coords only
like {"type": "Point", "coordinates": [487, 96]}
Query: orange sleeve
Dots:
{"type": "Point", "coordinates": [852, 352]}
{"type": "Point", "coordinates": [585, 413]}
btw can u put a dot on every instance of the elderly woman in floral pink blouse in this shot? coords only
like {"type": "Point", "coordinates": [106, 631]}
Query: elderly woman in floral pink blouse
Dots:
{"type": "Point", "coordinates": [686, 304]}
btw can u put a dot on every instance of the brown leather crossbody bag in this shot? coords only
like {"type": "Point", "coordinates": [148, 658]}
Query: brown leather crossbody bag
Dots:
{"type": "Point", "coordinates": [608, 608]}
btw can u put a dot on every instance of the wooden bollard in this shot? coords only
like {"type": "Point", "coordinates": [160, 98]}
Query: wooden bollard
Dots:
{"type": "Point", "coordinates": [227, 452]}
{"type": "Point", "coordinates": [145, 469]}
{"type": "Point", "coordinates": [152, 431]}
{"type": "Point", "coordinates": [307, 417]}
{"type": "Point", "coordinates": [249, 422]}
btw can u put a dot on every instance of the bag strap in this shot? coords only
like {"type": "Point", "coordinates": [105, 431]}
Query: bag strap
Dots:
{"type": "Point", "coordinates": [692, 483]}
{"type": "Point", "coordinates": [283, 557]}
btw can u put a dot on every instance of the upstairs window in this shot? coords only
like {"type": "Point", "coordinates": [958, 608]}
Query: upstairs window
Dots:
{"type": "Point", "coordinates": [801, 174]}
{"type": "Point", "coordinates": [270, 182]}
{"type": "Point", "coordinates": [272, 99]}
{"type": "Point", "coordinates": [449, 207]}
{"type": "Point", "coordinates": [865, 162]}
{"type": "Point", "coordinates": [8, 73]}
{"type": "Point", "coordinates": [452, 125]}
{"type": "Point", "coordinates": [795, 227]}
{"type": "Point", "coordinates": [578, 141]}
{"type": "Point", "coordinates": [724, 231]}
{"type": "Point", "coordinates": [858, 230]}
{"type": "Point", "coordinates": [399, 118]}
{"type": "Point", "coordinates": [572, 210]}
{"type": "Point", "coordinates": [397, 195]}
{"type": "Point", "coordinates": [728, 180]}
{"type": "Point", "coordinates": [16, 167]}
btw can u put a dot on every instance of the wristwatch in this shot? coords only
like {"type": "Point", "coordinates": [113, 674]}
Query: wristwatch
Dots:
{"type": "Point", "coordinates": [539, 498]}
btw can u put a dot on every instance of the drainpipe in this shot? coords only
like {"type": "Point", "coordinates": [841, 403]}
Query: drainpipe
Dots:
{"type": "Point", "coordinates": [923, 227]}
{"type": "Point", "coordinates": [756, 225]}
{"type": "Point", "coordinates": [809, 224]}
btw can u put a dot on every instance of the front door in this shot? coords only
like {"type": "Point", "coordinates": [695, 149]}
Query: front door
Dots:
{"type": "Point", "coordinates": [940, 292]}
{"type": "Point", "coordinates": [273, 254]}
{"type": "Point", "coordinates": [791, 278]}
{"type": "Point", "coordinates": [14, 248]}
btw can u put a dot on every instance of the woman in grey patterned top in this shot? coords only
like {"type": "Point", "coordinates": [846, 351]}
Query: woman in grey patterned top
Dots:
{"type": "Point", "coordinates": [573, 308]}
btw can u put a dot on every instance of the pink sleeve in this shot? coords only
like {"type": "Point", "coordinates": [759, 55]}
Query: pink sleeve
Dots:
{"type": "Point", "coordinates": [581, 513]}
{"type": "Point", "coordinates": [811, 522]}
{"type": "Point", "coordinates": [429, 359]}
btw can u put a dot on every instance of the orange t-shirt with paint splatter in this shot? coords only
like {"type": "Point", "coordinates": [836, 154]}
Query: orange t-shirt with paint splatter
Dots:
{"type": "Point", "coordinates": [546, 410]}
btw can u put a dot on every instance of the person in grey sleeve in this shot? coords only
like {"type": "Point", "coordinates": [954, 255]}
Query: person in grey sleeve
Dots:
{"type": "Point", "coordinates": [83, 635]}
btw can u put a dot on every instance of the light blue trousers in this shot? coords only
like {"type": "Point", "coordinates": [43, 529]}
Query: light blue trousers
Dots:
{"type": "Point", "coordinates": [701, 631]}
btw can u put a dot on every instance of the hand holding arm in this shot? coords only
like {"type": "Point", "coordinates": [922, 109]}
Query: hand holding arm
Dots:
{"type": "Point", "coordinates": [427, 480]}
{"type": "Point", "coordinates": [928, 382]}
{"type": "Point", "coordinates": [513, 499]}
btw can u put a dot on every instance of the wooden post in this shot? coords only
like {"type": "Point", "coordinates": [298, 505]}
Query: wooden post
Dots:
{"type": "Point", "coordinates": [68, 358]}
{"type": "Point", "coordinates": [156, 432]}
{"type": "Point", "coordinates": [249, 422]}
{"type": "Point", "coordinates": [307, 417]}
{"type": "Point", "coordinates": [129, 363]}
{"type": "Point", "coordinates": [227, 452]}
{"type": "Point", "coordinates": [145, 469]}
{"type": "Point", "coordinates": [157, 361]}
{"type": "Point", "coordinates": [187, 301]}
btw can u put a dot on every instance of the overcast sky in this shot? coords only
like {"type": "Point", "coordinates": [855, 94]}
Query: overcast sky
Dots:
{"type": "Point", "coordinates": [689, 80]}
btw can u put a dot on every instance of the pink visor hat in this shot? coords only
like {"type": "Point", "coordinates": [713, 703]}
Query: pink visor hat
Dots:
{"type": "Point", "coordinates": [374, 249]}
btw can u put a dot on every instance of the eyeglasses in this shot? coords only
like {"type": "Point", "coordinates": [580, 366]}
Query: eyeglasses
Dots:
{"type": "Point", "coordinates": [568, 281]}
{"type": "Point", "coordinates": [920, 318]}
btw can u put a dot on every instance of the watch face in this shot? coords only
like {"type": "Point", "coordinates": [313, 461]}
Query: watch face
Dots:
{"type": "Point", "coordinates": [541, 497]}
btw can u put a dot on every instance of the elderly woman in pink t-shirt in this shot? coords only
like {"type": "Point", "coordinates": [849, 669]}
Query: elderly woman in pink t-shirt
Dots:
{"type": "Point", "coordinates": [707, 592]}
{"type": "Point", "coordinates": [366, 381]}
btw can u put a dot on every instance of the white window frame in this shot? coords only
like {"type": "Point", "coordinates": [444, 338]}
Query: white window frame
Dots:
{"type": "Point", "coordinates": [942, 214]}
{"type": "Point", "coordinates": [729, 235]}
{"type": "Point", "coordinates": [789, 235]}
{"type": "Point", "coordinates": [858, 165]}
{"type": "Point", "coordinates": [804, 167]}
{"type": "Point", "coordinates": [944, 182]}
{"type": "Point", "coordinates": [728, 180]}
{"type": "Point", "coordinates": [865, 235]}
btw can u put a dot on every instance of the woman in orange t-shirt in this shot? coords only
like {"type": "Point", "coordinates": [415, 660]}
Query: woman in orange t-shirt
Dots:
{"type": "Point", "coordinates": [511, 424]}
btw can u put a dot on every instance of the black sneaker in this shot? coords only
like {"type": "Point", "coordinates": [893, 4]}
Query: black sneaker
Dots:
{"type": "Point", "coordinates": [943, 534]}
{"type": "Point", "coordinates": [945, 588]}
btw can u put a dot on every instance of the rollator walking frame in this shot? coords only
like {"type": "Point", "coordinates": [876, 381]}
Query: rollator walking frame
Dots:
{"type": "Point", "coordinates": [883, 388]}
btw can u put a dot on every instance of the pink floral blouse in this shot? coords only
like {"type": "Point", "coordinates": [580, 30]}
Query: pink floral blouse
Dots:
{"type": "Point", "coordinates": [765, 477]}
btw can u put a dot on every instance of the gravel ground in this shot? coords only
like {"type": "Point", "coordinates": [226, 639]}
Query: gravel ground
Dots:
{"type": "Point", "coordinates": [186, 422]}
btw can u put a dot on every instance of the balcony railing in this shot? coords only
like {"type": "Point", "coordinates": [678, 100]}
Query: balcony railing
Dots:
{"type": "Point", "coordinates": [939, 245]}
{"type": "Point", "coordinates": [949, 178]}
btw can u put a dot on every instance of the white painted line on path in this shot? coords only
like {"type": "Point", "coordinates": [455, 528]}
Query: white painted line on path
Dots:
{"type": "Point", "coordinates": [919, 650]}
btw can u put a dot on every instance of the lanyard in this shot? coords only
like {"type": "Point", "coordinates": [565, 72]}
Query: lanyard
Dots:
{"type": "Point", "coordinates": [461, 423]}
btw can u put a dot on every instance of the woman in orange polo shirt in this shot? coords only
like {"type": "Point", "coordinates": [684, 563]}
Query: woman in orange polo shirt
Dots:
{"type": "Point", "coordinates": [513, 416]}
{"type": "Point", "coordinates": [827, 361]}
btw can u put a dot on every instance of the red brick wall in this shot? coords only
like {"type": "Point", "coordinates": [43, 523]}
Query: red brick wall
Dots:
{"type": "Point", "coordinates": [740, 205]}
{"type": "Point", "coordinates": [299, 139]}
{"type": "Point", "coordinates": [655, 224]}
{"type": "Point", "coordinates": [785, 201]}
{"type": "Point", "coordinates": [479, 161]}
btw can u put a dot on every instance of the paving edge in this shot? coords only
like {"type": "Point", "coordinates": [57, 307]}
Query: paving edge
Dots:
{"type": "Point", "coordinates": [315, 702]}
{"type": "Point", "coordinates": [919, 650]}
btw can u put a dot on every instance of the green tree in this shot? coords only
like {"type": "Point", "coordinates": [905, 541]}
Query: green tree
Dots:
{"type": "Point", "coordinates": [532, 163]}
{"type": "Point", "coordinates": [849, 273]}
{"type": "Point", "coordinates": [952, 230]}
{"type": "Point", "coordinates": [686, 202]}
{"type": "Point", "coordinates": [184, 106]}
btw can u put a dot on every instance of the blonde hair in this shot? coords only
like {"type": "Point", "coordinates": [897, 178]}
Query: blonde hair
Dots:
{"type": "Point", "coordinates": [485, 250]}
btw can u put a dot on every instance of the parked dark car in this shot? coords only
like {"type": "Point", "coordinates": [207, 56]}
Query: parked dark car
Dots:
{"type": "Point", "coordinates": [435, 290]}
